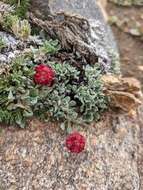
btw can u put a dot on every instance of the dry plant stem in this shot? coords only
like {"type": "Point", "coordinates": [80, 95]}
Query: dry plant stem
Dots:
{"type": "Point", "coordinates": [102, 4]}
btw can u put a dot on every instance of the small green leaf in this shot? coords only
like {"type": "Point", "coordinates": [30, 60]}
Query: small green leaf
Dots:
{"type": "Point", "coordinates": [62, 126]}
{"type": "Point", "coordinates": [10, 96]}
{"type": "Point", "coordinates": [27, 113]}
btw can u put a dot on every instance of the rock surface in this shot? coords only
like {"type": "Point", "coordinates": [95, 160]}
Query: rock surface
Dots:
{"type": "Point", "coordinates": [124, 93]}
{"type": "Point", "coordinates": [79, 25]}
{"type": "Point", "coordinates": [36, 158]}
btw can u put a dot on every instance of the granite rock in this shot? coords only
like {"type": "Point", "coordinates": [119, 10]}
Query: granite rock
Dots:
{"type": "Point", "coordinates": [36, 158]}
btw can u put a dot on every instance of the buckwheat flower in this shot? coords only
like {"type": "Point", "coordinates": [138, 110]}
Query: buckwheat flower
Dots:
{"type": "Point", "coordinates": [75, 142]}
{"type": "Point", "coordinates": [44, 75]}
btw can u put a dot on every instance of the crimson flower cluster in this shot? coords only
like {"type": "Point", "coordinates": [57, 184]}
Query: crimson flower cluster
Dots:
{"type": "Point", "coordinates": [75, 142]}
{"type": "Point", "coordinates": [44, 75]}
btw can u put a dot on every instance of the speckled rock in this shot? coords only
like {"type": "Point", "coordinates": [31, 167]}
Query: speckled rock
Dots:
{"type": "Point", "coordinates": [36, 158]}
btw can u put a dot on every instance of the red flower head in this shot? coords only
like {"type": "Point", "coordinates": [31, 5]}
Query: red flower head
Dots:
{"type": "Point", "coordinates": [44, 75]}
{"type": "Point", "coordinates": [75, 142]}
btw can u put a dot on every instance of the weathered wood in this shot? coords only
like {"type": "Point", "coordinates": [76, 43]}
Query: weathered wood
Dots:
{"type": "Point", "coordinates": [80, 26]}
{"type": "Point", "coordinates": [102, 4]}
